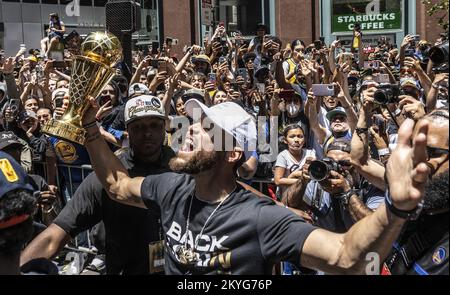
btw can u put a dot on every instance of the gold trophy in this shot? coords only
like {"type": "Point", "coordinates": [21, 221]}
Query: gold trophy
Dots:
{"type": "Point", "coordinates": [91, 71]}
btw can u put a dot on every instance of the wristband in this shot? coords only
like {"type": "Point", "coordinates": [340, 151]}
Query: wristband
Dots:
{"type": "Point", "coordinates": [89, 125]}
{"type": "Point", "coordinates": [360, 131]}
{"type": "Point", "coordinates": [397, 112]}
{"type": "Point", "coordinates": [384, 152]}
{"type": "Point", "coordinates": [409, 215]}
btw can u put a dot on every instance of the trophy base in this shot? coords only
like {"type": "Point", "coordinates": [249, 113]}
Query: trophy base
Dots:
{"type": "Point", "coordinates": [65, 131]}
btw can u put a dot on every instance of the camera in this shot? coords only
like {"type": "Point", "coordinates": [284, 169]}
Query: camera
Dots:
{"type": "Point", "coordinates": [320, 170]}
{"type": "Point", "coordinates": [409, 52]}
{"type": "Point", "coordinates": [439, 54]}
{"type": "Point", "coordinates": [14, 105]}
{"type": "Point", "coordinates": [386, 93]}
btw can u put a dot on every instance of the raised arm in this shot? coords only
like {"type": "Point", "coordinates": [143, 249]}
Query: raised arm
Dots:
{"type": "Point", "coordinates": [110, 171]}
{"type": "Point", "coordinates": [361, 160]}
{"type": "Point", "coordinates": [311, 110]}
{"type": "Point", "coordinates": [352, 252]}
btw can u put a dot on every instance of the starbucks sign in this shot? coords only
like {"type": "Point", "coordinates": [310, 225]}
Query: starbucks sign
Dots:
{"type": "Point", "coordinates": [375, 15]}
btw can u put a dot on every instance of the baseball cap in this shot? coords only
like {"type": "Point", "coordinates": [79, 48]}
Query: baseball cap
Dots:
{"type": "Point", "coordinates": [144, 106]}
{"type": "Point", "coordinates": [262, 26]}
{"type": "Point", "coordinates": [409, 82]}
{"type": "Point", "coordinates": [138, 89]}
{"type": "Point", "coordinates": [231, 118]}
{"type": "Point", "coordinates": [337, 111]}
{"type": "Point", "coordinates": [193, 93]}
{"type": "Point", "coordinates": [8, 139]}
{"type": "Point", "coordinates": [12, 175]}
{"type": "Point", "coordinates": [27, 114]}
{"type": "Point", "coordinates": [201, 58]}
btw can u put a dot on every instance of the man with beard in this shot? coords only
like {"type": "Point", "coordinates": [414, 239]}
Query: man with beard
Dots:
{"type": "Point", "coordinates": [214, 226]}
{"type": "Point", "coordinates": [423, 246]}
{"type": "Point", "coordinates": [129, 231]}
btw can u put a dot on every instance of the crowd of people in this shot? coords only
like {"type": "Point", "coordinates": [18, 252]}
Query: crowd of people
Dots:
{"type": "Point", "coordinates": [350, 143]}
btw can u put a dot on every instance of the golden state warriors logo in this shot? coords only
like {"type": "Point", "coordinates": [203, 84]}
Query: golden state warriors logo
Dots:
{"type": "Point", "coordinates": [439, 255]}
{"type": "Point", "coordinates": [66, 152]}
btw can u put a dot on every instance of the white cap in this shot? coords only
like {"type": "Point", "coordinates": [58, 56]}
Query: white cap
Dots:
{"type": "Point", "coordinates": [231, 118]}
{"type": "Point", "coordinates": [144, 106]}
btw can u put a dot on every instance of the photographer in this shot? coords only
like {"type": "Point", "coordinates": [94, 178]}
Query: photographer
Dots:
{"type": "Point", "coordinates": [339, 197]}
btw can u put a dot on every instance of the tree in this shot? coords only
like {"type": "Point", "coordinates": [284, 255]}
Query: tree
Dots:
{"type": "Point", "coordinates": [441, 8]}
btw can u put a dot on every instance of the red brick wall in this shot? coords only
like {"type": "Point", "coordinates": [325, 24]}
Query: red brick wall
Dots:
{"type": "Point", "coordinates": [427, 26]}
{"type": "Point", "coordinates": [294, 20]}
{"type": "Point", "coordinates": [177, 22]}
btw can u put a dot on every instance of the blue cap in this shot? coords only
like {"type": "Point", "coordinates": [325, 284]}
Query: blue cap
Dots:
{"type": "Point", "coordinates": [337, 111]}
{"type": "Point", "coordinates": [12, 175]}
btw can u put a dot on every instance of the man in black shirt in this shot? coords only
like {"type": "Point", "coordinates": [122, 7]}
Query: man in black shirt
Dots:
{"type": "Point", "coordinates": [129, 230]}
{"type": "Point", "coordinates": [214, 226]}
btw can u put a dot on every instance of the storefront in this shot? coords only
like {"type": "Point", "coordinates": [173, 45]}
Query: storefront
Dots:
{"type": "Point", "coordinates": [392, 19]}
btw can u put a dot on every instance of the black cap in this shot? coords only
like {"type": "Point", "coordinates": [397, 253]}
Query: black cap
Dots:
{"type": "Point", "coordinates": [8, 139]}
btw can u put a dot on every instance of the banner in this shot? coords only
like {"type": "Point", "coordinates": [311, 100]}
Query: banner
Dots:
{"type": "Point", "coordinates": [207, 15]}
{"type": "Point", "coordinates": [377, 15]}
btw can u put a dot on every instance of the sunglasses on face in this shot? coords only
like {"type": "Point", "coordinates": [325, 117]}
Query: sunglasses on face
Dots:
{"type": "Point", "coordinates": [435, 152]}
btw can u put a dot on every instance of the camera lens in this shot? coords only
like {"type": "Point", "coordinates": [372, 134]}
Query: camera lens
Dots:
{"type": "Point", "coordinates": [318, 170]}
{"type": "Point", "coordinates": [381, 97]}
{"type": "Point", "coordinates": [439, 54]}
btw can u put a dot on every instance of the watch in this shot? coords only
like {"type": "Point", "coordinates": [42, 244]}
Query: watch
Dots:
{"type": "Point", "coordinates": [360, 131]}
{"type": "Point", "coordinates": [408, 215]}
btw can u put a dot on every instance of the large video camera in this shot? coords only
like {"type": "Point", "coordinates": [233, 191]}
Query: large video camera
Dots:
{"type": "Point", "coordinates": [386, 93]}
{"type": "Point", "coordinates": [320, 170]}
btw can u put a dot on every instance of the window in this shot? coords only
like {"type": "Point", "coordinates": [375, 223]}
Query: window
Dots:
{"type": "Point", "coordinates": [86, 2]}
{"type": "Point", "coordinates": [372, 15]}
{"type": "Point", "coordinates": [239, 15]}
{"type": "Point", "coordinates": [100, 3]}
{"type": "Point", "coordinates": [31, 1]}
{"type": "Point", "coordinates": [49, 1]}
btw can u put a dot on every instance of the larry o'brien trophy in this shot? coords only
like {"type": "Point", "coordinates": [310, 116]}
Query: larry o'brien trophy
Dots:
{"type": "Point", "coordinates": [91, 71]}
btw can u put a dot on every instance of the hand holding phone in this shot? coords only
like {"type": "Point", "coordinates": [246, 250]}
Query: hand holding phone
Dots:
{"type": "Point", "coordinates": [323, 90]}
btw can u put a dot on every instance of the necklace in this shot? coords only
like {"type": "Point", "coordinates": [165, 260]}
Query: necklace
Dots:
{"type": "Point", "coordinates": [185, 253]}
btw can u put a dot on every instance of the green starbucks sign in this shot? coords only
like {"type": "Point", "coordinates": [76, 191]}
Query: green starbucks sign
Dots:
{"type": "Point", "coordinates": [377, 15]}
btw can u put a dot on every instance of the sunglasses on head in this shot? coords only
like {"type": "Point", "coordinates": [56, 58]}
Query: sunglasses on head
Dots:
{"type": "Point", "coordinates": [435, 152]}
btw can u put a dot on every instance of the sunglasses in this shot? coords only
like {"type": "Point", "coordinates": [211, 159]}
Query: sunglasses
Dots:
{"type": "Point", "coordinates": [434, 152]}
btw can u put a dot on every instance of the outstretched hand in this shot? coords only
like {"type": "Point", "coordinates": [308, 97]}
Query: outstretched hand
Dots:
{"type": "Point", "coordinates": [407, 172]}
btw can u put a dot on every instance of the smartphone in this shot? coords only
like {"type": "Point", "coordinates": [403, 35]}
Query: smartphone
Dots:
{"type": "Point", "coordinates": [243, 73]}
{"type": "Point", "coordinates": [212, 78]}
{"type": "Point", "coordinates": [59, 101]}
{"type": "Point", "coordinates": [323, 89]}
{"type": "Point", "coordinates": [162, 66]}
{"type": "Point", "coordinates": [373, 64]}
{"type": "Point", "coordinates": [23, 47]}
{"type": "Point", "coordinates": [235, 86]}
{"type": "Point", "coordinates": [222, 60]}
{"type": "Point", "coordinates": [155, 47]}
{"type": "Point", "coordinates": [409, 52]}
{"type": "Point", "coordinates": [382, 79]}
{"type": "Point", "coordinates": [221, 24]}
{"type": "Point", "coordinates": [416, 38]}
{"type": "Point", "coordinates": [14, 105]}
{"type": "Point", "coordinates": [261, 87]}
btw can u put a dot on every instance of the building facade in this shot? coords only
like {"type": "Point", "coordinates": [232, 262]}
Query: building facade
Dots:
{"type": "Point", "coordinates": [189, 21]}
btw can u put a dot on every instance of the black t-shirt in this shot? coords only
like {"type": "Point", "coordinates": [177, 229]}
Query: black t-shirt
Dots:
{"type": "Point", "coordinates": [128, 230]}
{"type": "Point", "coordinates": [246, 235]}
